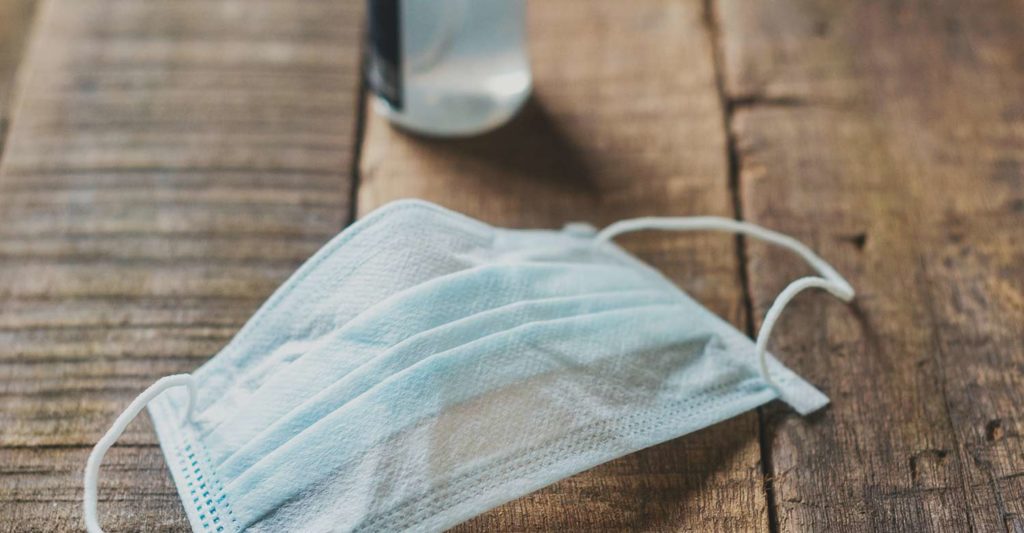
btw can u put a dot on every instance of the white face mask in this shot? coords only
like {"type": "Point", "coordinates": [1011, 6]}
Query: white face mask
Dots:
{"type": "Point", "coordinates": [424, 367]}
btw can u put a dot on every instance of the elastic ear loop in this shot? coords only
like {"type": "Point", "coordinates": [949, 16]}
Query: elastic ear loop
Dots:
{"type": "Point", "coordinates": [92, 466]}
{"type": "Point", "coordinates": [830, 280]}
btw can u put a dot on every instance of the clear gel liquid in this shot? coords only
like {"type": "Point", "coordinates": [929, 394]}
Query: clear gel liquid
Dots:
{"type": "Point", "coordinates": [464, 66]}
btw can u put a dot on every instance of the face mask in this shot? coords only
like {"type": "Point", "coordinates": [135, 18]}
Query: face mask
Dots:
{"type": "Point", "coordinates": [424, 367]}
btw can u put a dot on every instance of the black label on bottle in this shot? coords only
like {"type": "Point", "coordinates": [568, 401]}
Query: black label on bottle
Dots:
{"type": "Point", "coordinates": [384, 51]}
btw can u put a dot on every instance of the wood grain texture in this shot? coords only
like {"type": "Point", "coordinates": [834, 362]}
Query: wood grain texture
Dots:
{"type": "Point", "coordinates": [625, 121]}
{"type": "Point", "coordinates": [170, 163]}
{"type": "Point", "coordinates": [890, 135]}
{"type": "Point", "coordinates": [40, 490]}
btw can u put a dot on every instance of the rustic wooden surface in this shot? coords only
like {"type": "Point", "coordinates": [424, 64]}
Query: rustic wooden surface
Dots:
{"type": "Point", "coordinates": [169, 162]}
{"type": "Point", "coordinates": [891, 136]}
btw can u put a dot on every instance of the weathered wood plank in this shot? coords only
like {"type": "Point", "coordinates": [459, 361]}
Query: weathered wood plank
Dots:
{"type": "Point", "coordinates": [891, 136]}
{"type": "Point", "coordinates": [170, 163]}
{"type": "Point", "coordinates": [626, 121]}
{"type": "Point", "coordinates": [40, 490]}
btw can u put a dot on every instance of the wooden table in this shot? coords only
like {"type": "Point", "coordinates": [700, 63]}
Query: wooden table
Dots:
{"type": "Point", "coordinates": [169, 162]}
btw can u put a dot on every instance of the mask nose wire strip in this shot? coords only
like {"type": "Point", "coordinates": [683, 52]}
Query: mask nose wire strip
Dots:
{"type": "Point", "coordinates": [92, 466]}
{"type": "Point", "coordinates": [830, 280]}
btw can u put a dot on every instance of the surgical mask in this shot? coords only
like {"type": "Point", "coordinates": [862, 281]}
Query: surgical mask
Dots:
{"type": "Point", "coordinates": [424, 367]}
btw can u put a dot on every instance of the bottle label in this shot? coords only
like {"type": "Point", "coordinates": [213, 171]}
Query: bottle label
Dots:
{"type": "Point", "coordinates": [383, 61]}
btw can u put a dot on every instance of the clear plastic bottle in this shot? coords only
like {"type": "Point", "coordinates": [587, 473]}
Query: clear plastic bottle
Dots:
{"type": "Point", "coordinates": [447, 67]}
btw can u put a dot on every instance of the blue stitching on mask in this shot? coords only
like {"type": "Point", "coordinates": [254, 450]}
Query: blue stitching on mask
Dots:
{"type": "Point", "coordinates": [196, 462]}
{"type": "Point", "coordinates": [201, 480]}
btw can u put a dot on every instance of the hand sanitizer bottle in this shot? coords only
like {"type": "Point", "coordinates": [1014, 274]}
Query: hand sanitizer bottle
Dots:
{"type": "Point", "coordinates": [447, 68]}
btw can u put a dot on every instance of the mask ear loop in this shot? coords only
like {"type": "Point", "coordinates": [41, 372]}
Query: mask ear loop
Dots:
{"type": "Point", "coordinates": [830, 280]}
{"type": "Point", "coordinates": [92, 466]}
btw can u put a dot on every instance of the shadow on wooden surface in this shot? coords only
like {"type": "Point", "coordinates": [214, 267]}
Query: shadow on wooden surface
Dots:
{"type": "Point", "coordinates": [626, 122]}
{"type": "Point", "coordinates": [532, 146]}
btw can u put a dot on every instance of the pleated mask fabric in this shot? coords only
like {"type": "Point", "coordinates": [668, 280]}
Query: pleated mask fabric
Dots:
{"type": "Point", "coordinates": [424, 367]}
